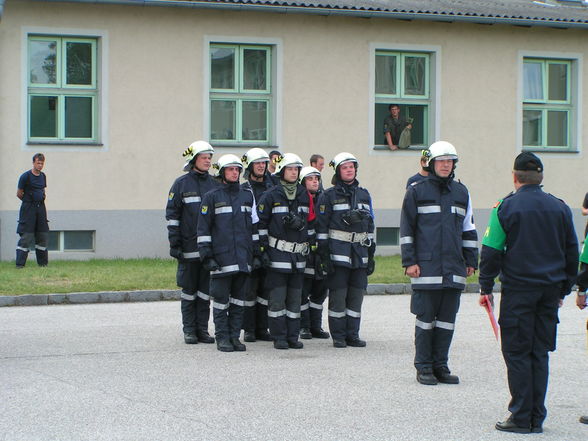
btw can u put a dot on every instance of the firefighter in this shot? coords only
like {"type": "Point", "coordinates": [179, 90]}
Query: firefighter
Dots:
{"type": "Point", "coordinates": [258, 180]}
{"type": "Point", "coordinates": [228, 245]}
{"type": "Point", "coordinates": [183, 206]}
{"type": "Point", "coordinates": [346, 247]}
{"type": "Point", "coordinates": [284, 235]}
{"type": "Point", "coordinates": [314, 290]}
{"type": "Point", "coordinates": [438, 241]}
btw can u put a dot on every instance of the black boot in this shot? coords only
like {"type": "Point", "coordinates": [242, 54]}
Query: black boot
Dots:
{"type": "Point", "coordinates": [224, 345]}
{"type": "Point", "coordinates": [263, 335]}
{"type": "Point", "coordinates": [204, 336]}
{"type": "Point", "coordinates": [356, 342]}
{"type": "Point", "coordinates": [443, 375]}
{"type": "Point", "coordinates": [281, 344]}
{"type": "Point", "coordinates": [425, 376]}
{"type": "Point", "coordinates": [190, 339]}
{"type": "Point", "coordinates": [305, 334]}
{"type": "Point", "coordinates": [237, 345]}
{"type": "Point", "coordinates": [295, 344]}
{"type": "Point", "coordinates": [319, 333]}
{"type": "Point", "coordinates": [249, 337]}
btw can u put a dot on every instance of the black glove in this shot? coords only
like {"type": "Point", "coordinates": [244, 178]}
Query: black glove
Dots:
{"type": "Point", "coordinates": [256, 264]}
{"type": "Point", "coordinates": [371, 266]}
{"type": "Point", "coordinates": [318, 267]}
{"type": "Point", "coordinates": [265, 260]}
{"type": "Point", "coordinates": [293, 222]}
{"type": "Point", "coordinates": [210, 264]}
{"type": "Point", "coordinates": [355, 216]}
{"type": "Point", "coordinates": [327, 266]}
{"type": "Point", "coordinates": [176, 253]}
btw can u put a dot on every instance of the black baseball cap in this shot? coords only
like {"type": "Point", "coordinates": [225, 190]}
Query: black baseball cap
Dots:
{"type": "Point", "coordinates": [528, 161]}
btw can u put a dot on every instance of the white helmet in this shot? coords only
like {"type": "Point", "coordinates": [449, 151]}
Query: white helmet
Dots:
{"type": "Point", "coordinates": [254, 155]}
{"type": "Point", "coordinates": [309, 171]}
{"type": "Point", "coordinates": [341, 158]}
{"type": "Point", "coordinates": [288, 160]}
{"type": "Point", "coordinates": [442, 150]}
{"type": "Point", "coordinates": [228, 160]}
{"type": "Point", "coordinates": [196, 148]}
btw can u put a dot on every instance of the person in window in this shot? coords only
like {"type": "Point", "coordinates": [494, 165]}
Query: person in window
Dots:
{"type": "Point", "coordinates": [394, 124]}
{"type": "Point", "coordinates": [33, 226]}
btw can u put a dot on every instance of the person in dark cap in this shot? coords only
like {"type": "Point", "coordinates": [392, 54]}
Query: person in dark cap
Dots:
{"type": "Point", "coordinates": [530, 241]}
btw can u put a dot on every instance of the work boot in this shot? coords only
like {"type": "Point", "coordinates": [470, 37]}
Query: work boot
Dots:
{"type": "Point", "coordinates": [510, 426]}
{"type": "Point", "coordinates": [249, 337]}
{"type": "Point", "coordinates": [319, 333]}
{"type": "Point", "coordinates": [584, 419]}
{"type": "Point", "coordinates": [263, 335]}
{"type": "Point", "coordinates": [204, 336]}
{"type": "Point", "coordinates": [237, 345]}
{"type": "Point", "coordinates": [305, 333]}
{"type": "Point", "coordinates": [281, 344]}
{"type": "Point", "coordinates": [190, 338]}
{"type": "Point", "coordinates": [339, 343]}
{"type": "Point", "coordinates": [295, 344]}
{"type": "Point", "coordinates": [224, 345]}
{"type": "Point", "coordinates": [356, 342]}
{"type": "Point", "coordinates": [443, 375]}
{"type": "Point", "coordinates": [425, 376]}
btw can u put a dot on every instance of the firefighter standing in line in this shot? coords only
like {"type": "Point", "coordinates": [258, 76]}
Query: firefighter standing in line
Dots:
{"type": "Point", "coordinates": [438, 241]}
{"type": "Point", "coordinates": [314, 290]}
{"type": "Point", "coordinates": [183, 206]}
{"type": "Point", "coordinates": [532, 244]}
{"type": "Point", "coordinates": [229, 249]}
{"type": "Point", "coordinates": [33, 226]}
{"type": "Point", "coordinates": [346, 247]}
{"type": "Point", "coordinates": [258, 180]}
{"type": "Point", "coordinates": [284, 236]}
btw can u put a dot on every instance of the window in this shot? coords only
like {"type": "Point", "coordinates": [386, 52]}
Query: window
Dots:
{"type": "Point", "coordinates": [387, 236]}
{"type": "Point", "coordinates": [547, 104]}
{"type": "Point", "coordinates": [403, 78]}
{"type": "Point", "coordinates": [71, 240]}
{"type": "Point", "coordinates": [241, 100]}
{"type": "Point", "coordinates": [62, 89]}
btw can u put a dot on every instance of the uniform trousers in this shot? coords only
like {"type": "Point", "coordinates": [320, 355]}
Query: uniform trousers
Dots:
{"type": "Point", "coordinates": [228, 300]}
{"type": "Point", "coordinates": [347, 286]}
{"type": "Point", "coordinates": [314, 293]}
{"type": "Point", "coordinates": [528, 326]}
{"type": "Point", "coordinates": [195, 300]}
{"type": "Point", "coordinates": [33, 229]}
{"type": "Point", "coordinates": [285, 292]}
{"type": "Point", "coordinates": [256, 301]}
{"type": "Point", "coordinates": [435, 312]}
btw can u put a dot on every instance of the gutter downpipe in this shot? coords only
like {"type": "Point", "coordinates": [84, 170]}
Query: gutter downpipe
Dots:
{"type": "Point", "coordinates": [336, 12]}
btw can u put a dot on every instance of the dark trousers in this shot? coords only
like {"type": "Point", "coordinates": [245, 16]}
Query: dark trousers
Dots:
{"type": "Point", "coordinates": [314, 293]}
{"type": "Point", "coordinates": [285, 291]}
{"type": "Point", "coordinates": [528, 326]}
{"type": "Point", "coordinates": [33, 229]}
{"type": "Point", "coordinates": [256, 301]}
{"type": "Point", "coordinates": [195, 300]}
{"type": "Point", "coordinates": [228, 299]}
{"type": "Point", "coordinates": [435, 312]}
{"type": "Point", "coordinates": [347, 287]}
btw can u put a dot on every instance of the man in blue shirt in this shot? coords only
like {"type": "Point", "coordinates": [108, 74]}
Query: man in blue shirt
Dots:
{"type": "Point", "coordinates": [33, 226]}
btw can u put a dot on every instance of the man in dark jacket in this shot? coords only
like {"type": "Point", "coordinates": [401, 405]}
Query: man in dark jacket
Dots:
{"type": "Point", "coordinates": [531, 243]}
{"type": "Point", "coordinates": [284, 236]}
{"type": "Point", "coordinates": [228, 244]}
{"type": "Point", "coordinates": [346, 247]}
{"type": "Point", "coordinates": [438, 241]}
{"type": "Point", "coordinates": [183, 206]}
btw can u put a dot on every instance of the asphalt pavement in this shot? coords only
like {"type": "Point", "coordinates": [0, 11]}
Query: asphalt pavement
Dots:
{"type": "Point", "coordinates": [120, 371]}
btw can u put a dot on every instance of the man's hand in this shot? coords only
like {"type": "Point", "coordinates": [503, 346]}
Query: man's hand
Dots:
{"type": "Point", "coordinates": [393, 147]}
{"type": "Point", "coordinates": [176, 253]}
{"type": "Point", "coordinates": [210, 264]}
{"type": "Point", "coordinates": [413, 271]}
{"type": "Point", "coordinates": [486, 298]}
{"type": "Point", "coordinates": [470, 270]}
{"type": "Point", "coordinates": [581, 300]}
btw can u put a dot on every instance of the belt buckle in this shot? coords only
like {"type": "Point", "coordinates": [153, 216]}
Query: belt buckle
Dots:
{"type": "Point", "coordinates": [305, 251]}
{"type": "Point", "coordinates": [289, 246]}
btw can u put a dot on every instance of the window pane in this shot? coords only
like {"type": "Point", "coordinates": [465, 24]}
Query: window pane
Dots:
{"type": "Point", "coordinates": [557, 128]}
{"type": "Point", "coordinates": [418, 114]}
{"type": "Point", "coordinates": [79, 63]}
{"type": "Point", "coordinates": [254, 120]}
{"type": "Point", "coordinates": [386, 74]}
{"type": "Point", "coordinates": [532, 81]}
{"type": "Point", "coordinates": [43, 116]}
{"type": "Point", "coordinates": [532, 122]}
{"type": "Point", "coordinates": [53, 243]}
{"type": "Point", "coordinates": [222, 119]}
{"type": "Point", "coordinates": [387, 236]}
{"type": "Point", "coordinates": [78, 240]}
{"type": "Point", "coordinates": [414, 75]}
{"type": "Point", "coordinates": [222, 68]}
{"type": "Point", "coordinates": [43, 62]}
{"type": "Point", "coordinates": [558, 76]}
{"type": "Point", "coordinates": [78, 117]}
{"type": "Point", "coordinates": [254, 69]}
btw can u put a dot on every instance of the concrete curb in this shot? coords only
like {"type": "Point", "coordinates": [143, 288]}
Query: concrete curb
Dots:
{"type": "Point", "coordinates": [169, 294]}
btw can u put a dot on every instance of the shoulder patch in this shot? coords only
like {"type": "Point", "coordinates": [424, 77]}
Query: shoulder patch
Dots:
{"type": "Point", "coordinates": [170, 196]}
{"type": "Point", "coordinates": [322, 209]}
{"type": "Point", "coordinates": [260, 208]}
{"type": "Point", "coordinates": [204, 209]}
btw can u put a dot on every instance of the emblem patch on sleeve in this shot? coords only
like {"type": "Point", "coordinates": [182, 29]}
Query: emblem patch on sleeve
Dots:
{"type": "Point", "coordinates": [204, 209]}
{"type": "Point", "coordinates": [260, 208]}
{"type": "Point", "coordinates": [170, 196]}
{"type": "Point", "coordinates": [322, 209]}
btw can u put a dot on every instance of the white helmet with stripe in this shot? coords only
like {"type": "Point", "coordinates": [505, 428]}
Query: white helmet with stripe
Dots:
{"type": "Point", "coordinates": [196, 148]}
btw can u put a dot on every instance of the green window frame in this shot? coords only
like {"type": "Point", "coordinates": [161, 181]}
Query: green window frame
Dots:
{"type": "Point", "coordinates": [403, 78]}
{"type": "Point", "coordinates": [62, 89]}
{"type": "Point", "coordinates": [241, 100]}
{"type": "Point", "coordinates": [547, 104]}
